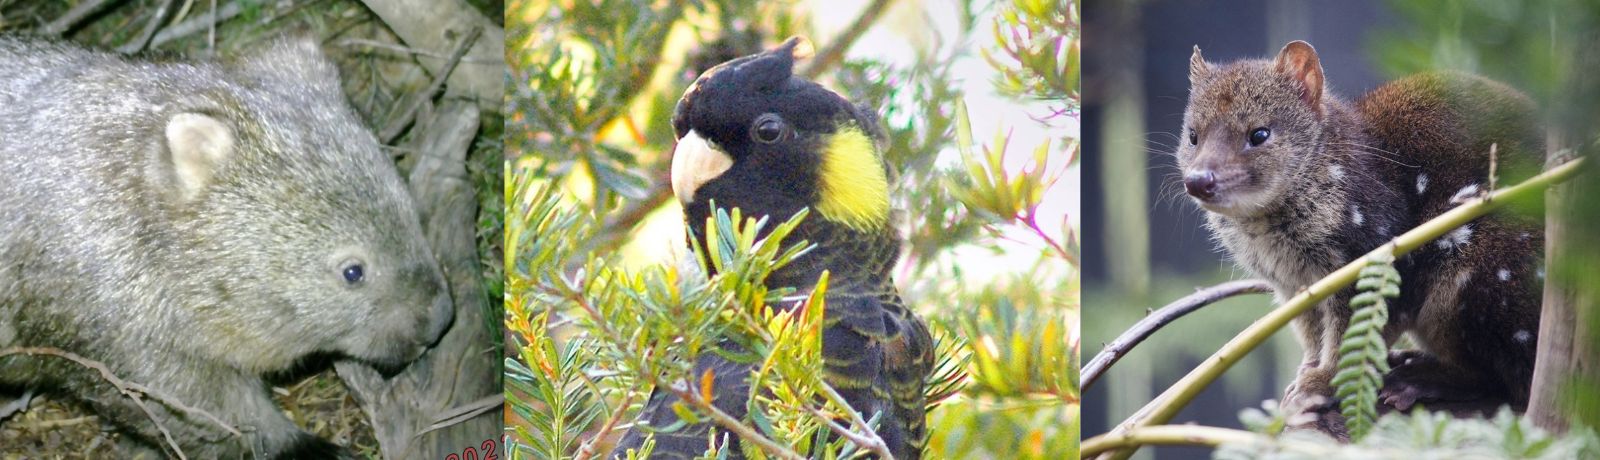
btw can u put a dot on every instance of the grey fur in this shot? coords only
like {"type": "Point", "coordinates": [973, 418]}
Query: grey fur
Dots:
{"type": "Point", "coordinates": [188, 224]}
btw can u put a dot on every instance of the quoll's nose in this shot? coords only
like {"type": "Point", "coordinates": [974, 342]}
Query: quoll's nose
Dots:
{"type": "Point", "coordinates": [1200, 184]}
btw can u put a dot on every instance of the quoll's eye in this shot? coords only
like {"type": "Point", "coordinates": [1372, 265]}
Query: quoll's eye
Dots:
{"type": "Point", "coordinates": [1194, 138]}
{"type": "Point", "coordinates": [354, 272]}
{"type": "Point", "coordinates": [768, 129]}
{"type": "Point", "coordinates": [1259, 136]}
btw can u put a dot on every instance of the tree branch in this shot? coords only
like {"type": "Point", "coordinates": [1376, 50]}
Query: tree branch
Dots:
{"type": "Point", "coordinates": [726, 421]}
{"type": "Point", "coordinates": [834, 53]}
{"type": "Point", "coordinates": [1170, 435]}
{"type": "Point", "coordinates": [130, 389]}
{"type": "Point", "coordinates": [1146, 327]}
{"type": "Point", "coordinates": [1167, 405]}
{"type": "Point", "coordinates": [870, 439]}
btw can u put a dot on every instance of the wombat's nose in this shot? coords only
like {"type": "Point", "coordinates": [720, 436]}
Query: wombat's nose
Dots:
{"type": "Point", "coordinates": [1200, 184]}
{"type": "Point", "coordinates": [440, 315]}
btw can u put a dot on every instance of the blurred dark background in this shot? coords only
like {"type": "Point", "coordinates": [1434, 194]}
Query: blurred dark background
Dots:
{"type": "Point", "coordinates": [1144, 244]}
{"type": "Point", "coordinates": [1143, 241]}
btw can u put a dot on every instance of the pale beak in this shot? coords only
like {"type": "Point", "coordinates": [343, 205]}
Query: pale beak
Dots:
{"type": "Point", "coordinates": [695, 162]}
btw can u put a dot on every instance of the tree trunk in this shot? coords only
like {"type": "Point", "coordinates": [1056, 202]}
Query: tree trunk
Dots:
{"type": "Point", "coordinates": [411, 414]}
{"type": "Point", "coordinates": [1566, 335]}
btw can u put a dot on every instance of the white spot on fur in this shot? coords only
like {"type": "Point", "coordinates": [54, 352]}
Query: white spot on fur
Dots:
{"type": "Point", "coordinates": [1336, 172]}
{"type": "Point", "coordinates": [1465, 193]}
{"type": "Point", "coordinates": [1505, 275]}
{"type": "Point", "coordinates": [1383, 231]}
{"type": "Point", "coordinates": [1523, 236]}
{"type": "Point", "coordinates": [1455, 239]}
{"type": "Point", "coordinates": [1355, 216]}
{"type": "Point", "coordinates": [1522, 336]}
{"type": "Point", "coordinates": [1422, 183]}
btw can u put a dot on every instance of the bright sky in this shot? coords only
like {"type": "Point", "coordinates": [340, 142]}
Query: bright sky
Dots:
{"type": "Point", "coordinates": [907, 26]}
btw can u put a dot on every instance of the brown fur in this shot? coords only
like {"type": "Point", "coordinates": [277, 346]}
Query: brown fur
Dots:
{"type": "Point", "coordinates": [1335, 180]}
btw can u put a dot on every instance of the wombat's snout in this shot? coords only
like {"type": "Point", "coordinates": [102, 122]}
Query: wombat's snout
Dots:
{"type": "Point", "coordinates": [440, 316]}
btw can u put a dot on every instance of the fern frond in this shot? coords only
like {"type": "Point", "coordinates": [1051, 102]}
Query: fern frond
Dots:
{"type": "Point", "coordinates": [1363, 353]}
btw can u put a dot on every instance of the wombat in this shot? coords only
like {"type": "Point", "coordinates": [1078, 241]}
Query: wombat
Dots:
{"type": "Point", "coordinates": [196, 226]}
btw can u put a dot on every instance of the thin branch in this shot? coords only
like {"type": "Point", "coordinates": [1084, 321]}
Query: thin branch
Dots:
{"type": "Point", "coordinates": [834, 53]}
{"type": "Point", "coordinates": [731, 424]}
{"type": "Point", "coordinates": [872, 444]}
{"type": "Point", "coordinates": [354, 42]}
{"type": "Point", "coordinates": [588, 449]}
{"type": "Point", "coordinates": [398, 125]}
{"type": "Point", "coordinates": [1160, 318]}
{"type": "Point", "coordinates": [74, 16]}
{"type": "Point", "coordinates": [160, 16]}
{"type": "Point", "coordinates": [1170, 435]}
{"type": "Point", "coordinates": [1030, 221]}
{"type": "Point", "coordinates": [1164, 407]}
{"type": "Point", "coordinates": [463, 413]}
{"type": "Point", "coordinates": [130, 389]}
{"type": "Point", "coordinates": [621, 223]}
{"type": "Point", "coordinates": [206, 22]}
{"type": "Point", "coordinates": [870, 440]}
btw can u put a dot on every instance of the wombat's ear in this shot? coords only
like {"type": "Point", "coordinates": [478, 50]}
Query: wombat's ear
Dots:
{"type": "Point", "coordinates": [1299, 61]}
{"type": "Point", "coordinates": [197, 145]}
{"type": "Point", "coordinates": [1197, 66]}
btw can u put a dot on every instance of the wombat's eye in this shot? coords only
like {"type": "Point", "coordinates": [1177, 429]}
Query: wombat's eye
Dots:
{"type": "Point", "coordinates": [1194, 138]}
{"type": "Point", "coordinates": [768, 128]}
{"type": "Point", "coordinates": [354, 272]}
{"type": "Point", "coordinates": [1259, 136]}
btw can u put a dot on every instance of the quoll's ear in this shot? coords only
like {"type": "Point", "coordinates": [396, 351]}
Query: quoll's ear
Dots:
{"type": "Point", "coordinates": [197, 144]}
{"type": "Point", "coordinates": [1197, 66]}
{"type": "Point", "coordinates": [1299, 61]}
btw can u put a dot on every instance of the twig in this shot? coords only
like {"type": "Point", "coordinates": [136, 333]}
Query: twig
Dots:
{"type": "Point", "coordinates": [622, 222]}
{"type": "Point", "coordinates": [830, 56]}
{"type": "Point", "coordinates": [1030, 220]}
{"type": "Point", "coordinates": [73, 17]}
{"type": "Point", "coordinates": [130, 389]}
{"type": "Point", "coordinates": [871, 441]}
{"type": "Point", "coordinates": [873, 445]}
{"type": "Point", "coordinates": [588, 449]}
{"type": "Point", "coordinates": [1171, 435]}
{"type": "Point", "coordinates": [1164, 407]}
{"type": "Point", "coordinates": [398, 125]}
{"type": "Point", "coordinates": [731, 424]}
{"type": "Point", "coordinates": [463, 413]}
{"type": "Point", "coordinates": [211, 30]}
{"type": "Point", "coordinates": [1146, 327]}
{"type": "Point", "coordinates": [160, 16]}
{"type": "Point", "coordinates": [206, 21]}
{"type": "Point", "coordinates": [352, 42]}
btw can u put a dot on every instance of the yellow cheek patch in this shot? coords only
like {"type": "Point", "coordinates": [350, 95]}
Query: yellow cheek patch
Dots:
{"type": "Point", "coordinates": [853, 189]}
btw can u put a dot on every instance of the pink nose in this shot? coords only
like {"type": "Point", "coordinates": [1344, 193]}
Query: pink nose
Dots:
{"type": "Point", "coordinates": [1201, 184]}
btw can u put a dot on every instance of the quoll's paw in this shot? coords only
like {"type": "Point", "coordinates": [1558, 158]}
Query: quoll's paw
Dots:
{"type": "Point", "coordinates": [1310, 405]}
{"type": "Point", "coordinates": [1310, 392]}
{"type": "Point", "coordinates": [1402, 395]}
